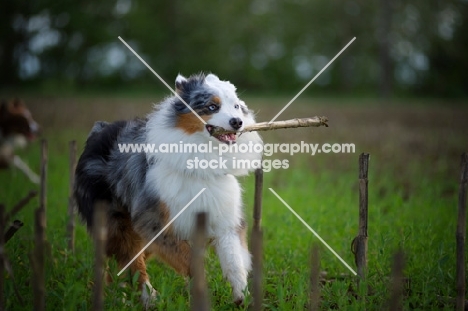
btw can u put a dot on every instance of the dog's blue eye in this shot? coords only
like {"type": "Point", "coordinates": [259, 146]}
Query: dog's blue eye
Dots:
{"type": "Point", "coordinates": [236, 106]}
{"type": "Point", "coordinates": [212, 107]}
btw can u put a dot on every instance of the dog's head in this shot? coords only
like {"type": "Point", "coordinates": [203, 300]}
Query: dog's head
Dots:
{"type": "Point", "coordinates": [15, 119]}
{"type": "Point", "coordinates": [215, 101]}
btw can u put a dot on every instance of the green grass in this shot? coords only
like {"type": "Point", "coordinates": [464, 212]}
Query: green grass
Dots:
{"type": "Point", "coordinates": [412, 205]}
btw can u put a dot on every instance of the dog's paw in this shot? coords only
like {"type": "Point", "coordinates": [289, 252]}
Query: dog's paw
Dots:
{"type": "Point", "coordinates": [239, 298]}
{"type": "Point", "coordinates": [239, 301]}
{"type": "Point", "coordinates": [148, 296]}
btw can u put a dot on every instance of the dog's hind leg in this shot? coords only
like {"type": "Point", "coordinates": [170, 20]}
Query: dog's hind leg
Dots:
{"type": "Point", "coordinates": [124, 243]}
{"type": "Point", "coordinates": [174, 252]}
{"type": "Point", "coordinates": [149, 222]}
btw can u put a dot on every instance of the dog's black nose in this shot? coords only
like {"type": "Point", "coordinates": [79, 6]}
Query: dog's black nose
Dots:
{"type": "Point", "coordinates": [236, 123]}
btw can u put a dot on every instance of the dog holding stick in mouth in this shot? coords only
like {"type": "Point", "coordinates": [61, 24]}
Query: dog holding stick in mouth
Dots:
{"type": "Point", "coordinates": [145, 191]}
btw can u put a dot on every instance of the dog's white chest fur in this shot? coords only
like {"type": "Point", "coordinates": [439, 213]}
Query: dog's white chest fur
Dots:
{"type": "Point", "coordinates": [221, 200]}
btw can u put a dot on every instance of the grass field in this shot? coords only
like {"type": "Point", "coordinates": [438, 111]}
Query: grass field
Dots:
{"type": "Point", "coordinates": [415, 149]}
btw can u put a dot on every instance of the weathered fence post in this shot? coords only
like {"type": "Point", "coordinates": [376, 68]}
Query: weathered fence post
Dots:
{"type": "Point", "coordinates": [314, 298]}
{"type": "Point", "coordinates": [257, 242]}
{"type": "Point", "coordinates": [461, 233]}
{"type": "Point", "coordinates": [15, 226]}
{"type": "Point", "coordinates": [395, 302]}
{"type": "Point", "coordinates": [360, 242]}
{"type": "Point", "coordinates": [2, 257]}
{"type": "Point", "coordinates": [257, 267]}
{"type": "Point", "coordinates": [39, 236]}
{"type": "Point", "coordinates": [22, 203]}
{"type": "Point", "coordinates": [38, 260]}
{"type": "Point", "coordinates": [257, 212]}
{"type": "Point", "coordinates": [71, 200]}
{"type": "Point", "coordinates": [199, 292]}
{"type": "Point", "coordinates": [100, 237]}
{"type": "Point", "coordinates": [43, 189]}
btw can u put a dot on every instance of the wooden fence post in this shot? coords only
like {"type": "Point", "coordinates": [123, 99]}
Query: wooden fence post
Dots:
{"type": "Point", "coordinates": [360, 242]}
{"type": "Point", "coordinates": [15, 226]}
{"type": "Point", "coordinates": [39, 236]}
{"type": "Point", "coordinates": [199, 292]}
{"type": "Point", "coordinates": [257, 212]}
{"type": "Point", "coordinates": [100, 237]}
{"type": "Point", "coordinates": [395, 302]}
{"type": "Point", "coordinates": [38, 260]}
{"type": "Point", "coordinates": [22, 203]}
{"type": "Point", "coordinates": [314, 299]}
{"type": "Point", "coordinates": [257, 267]}
{"type": "Point", "coordinates": [43, 189]}
{"type": "Point", "coordinates": [461, 233]}
{"type": "Point", "coordinates": [71, 200]}
{"type": "Point", "coordinates": [2, 258]}
{"type": "Point", "coordinates": [257, 242]}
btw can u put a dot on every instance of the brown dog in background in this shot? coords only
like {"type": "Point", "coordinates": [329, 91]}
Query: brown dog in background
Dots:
{"type": "Point", "coordinates": [17, 129]}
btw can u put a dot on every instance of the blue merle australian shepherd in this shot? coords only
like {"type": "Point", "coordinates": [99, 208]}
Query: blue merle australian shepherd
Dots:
{"type": "Point", "coordinates": [144, 191]}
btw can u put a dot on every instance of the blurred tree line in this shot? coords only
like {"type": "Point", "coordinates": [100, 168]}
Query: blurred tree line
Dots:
{"type": "Point", "coordinates": [266, 45]}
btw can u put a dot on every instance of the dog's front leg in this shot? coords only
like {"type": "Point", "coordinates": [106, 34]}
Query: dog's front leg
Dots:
{"type": "Point", "coordinates": [25, 169]}
{"type": "Point", "coordinates": [233, 258]}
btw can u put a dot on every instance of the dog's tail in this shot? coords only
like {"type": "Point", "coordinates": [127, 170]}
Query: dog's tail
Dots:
{"type": "Point", "coordinates": [91, 185]}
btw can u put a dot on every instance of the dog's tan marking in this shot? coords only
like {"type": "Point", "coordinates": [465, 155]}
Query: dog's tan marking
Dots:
{"type": "Point", "coordinates": [216, 100]}
{"type": "Point", "coordinates": [124, 243]}
{"type": "Point", "coordinates": [190, 124]}
{"type": "Point", "coordinates": [176, 253]}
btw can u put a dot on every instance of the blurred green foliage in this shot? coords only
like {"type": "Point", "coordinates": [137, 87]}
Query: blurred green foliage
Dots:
{"type": "Point", "coordinates": [415, 47]}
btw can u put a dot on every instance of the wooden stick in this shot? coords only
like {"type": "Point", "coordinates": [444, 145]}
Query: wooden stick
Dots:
{"type": "Point", "coordinates": [314, 302]}
{"type": "Point", "coordinates": [396, 287]}
{"type": "Point", "coordinates": [100, 237]}
{"type": "Point", "coordinates": [361, 240]}
{"type": "Point", "coordinates": [15, 226]}
{"type": "Point", "coordinates": [43, 190]}
{"type": "Point", "coordinates": [22, 203]}
{"type": "Point", "coordinates": [38, 260]}
{"type": "Point", "coordinates": [199, 292]}
{"type": "Point", "coordinates": [257, 267]}
{"type": "Point", "coordinates": [2, 258]}
{"type": "Point", "coordinates": [461, 233]}
{"type": "Point", "coordinates": [266, 126]}
{"type": "Point", "coordinates": [71, 200]}
{"type": "Point", "coordinates": [257, 211]}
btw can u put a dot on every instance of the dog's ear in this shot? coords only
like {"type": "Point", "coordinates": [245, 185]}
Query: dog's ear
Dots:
{"type": "Point", "coordinates": [179, 83]}
{"type": "Point", "coordinates": [212, 78]}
